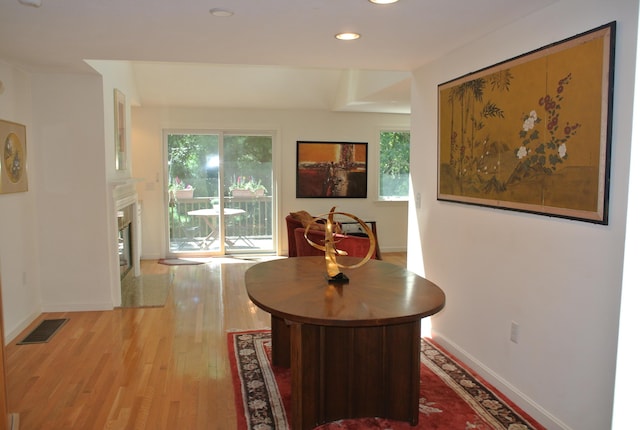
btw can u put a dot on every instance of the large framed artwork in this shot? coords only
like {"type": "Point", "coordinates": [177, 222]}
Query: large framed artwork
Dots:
{"type": "Point", "coordinates": [331, 169]}
{"type": "Point", "coordinates": [13, 165]}
{"type": "Point", "coordinates": [532, 133]}
{"type": "Point", "coordinates": [120, 129]}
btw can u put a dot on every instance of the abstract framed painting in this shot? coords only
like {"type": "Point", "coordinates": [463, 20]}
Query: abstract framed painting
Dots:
{"type": "Point", "coordinates": [13, 165]}
{"type": "Point", "coordinates": [532, 133]}
{"type": "Point", "coordinates": [331, 169]}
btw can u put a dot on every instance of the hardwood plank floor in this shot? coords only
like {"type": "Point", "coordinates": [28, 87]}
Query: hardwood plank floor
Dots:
{"type": "Point", "coordinates": [141, 368]}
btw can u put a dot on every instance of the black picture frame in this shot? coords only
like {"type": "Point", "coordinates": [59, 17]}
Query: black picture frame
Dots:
{"type": "Point", "coordinates": [331, 169]}
{"type": "Point", "coordinates": [533, 133]}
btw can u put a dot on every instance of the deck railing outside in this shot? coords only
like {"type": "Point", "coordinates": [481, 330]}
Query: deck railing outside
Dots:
{"type": "Point", "coordinates": [255, 222]}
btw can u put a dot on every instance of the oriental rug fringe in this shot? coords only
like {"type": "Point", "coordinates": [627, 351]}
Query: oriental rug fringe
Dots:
{"type": "Point", "coordinates": [452, 397]}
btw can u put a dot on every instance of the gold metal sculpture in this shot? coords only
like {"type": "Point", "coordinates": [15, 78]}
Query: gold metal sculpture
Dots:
{"type": "Point", "coordinates": [330, 247]}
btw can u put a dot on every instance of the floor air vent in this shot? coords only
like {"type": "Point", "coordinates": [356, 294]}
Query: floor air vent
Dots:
{"type": "Point", "coordinates": [44, 331]}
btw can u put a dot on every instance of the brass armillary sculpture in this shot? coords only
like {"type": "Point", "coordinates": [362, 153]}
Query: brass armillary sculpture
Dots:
{"type": "Point", "coordinates": [331, 252]}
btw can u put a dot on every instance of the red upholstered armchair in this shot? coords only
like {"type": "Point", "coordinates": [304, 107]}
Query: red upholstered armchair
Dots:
{"type": "Point", "coordinates": [354, 246]}
{"type": "Point", "coordinates": [292, 224]}
{"type": "Point", "coordinates": [299, 247]}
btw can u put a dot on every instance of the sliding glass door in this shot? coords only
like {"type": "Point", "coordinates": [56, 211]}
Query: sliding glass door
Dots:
{"type": "Point", "coordinates": [219, 193]}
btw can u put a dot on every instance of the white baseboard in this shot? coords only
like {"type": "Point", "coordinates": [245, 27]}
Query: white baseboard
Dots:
{"type": "Point", "coordinates": [15, 332]}
{"type": "Point", "coordinates": [393, 249]}
{"type": "Point", "coordinates": [78, 307]}
{"type": "Point", "coordinates": [536, 411]}
{"type": "Point", "coordinates": [152, 257]}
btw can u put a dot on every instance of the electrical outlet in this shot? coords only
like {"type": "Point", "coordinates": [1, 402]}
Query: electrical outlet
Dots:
{"type": "Point", "coordinates": [515, 332]}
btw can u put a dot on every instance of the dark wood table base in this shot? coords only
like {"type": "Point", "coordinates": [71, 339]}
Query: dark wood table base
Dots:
{"type": "Point", "coordinates": [349, 372]}
{"type": "Point", "coordinates": [353, 349]}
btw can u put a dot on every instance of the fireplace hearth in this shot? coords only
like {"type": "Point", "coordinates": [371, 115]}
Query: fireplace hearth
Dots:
{"type": "Point", "coordinates": [127, 211]}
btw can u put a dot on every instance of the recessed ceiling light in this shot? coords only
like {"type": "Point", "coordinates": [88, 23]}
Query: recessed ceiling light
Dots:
{"type": "Point", "coordinates": [220, 12]}
{"type": "Point", "coordinates": [347, 36]}
{"type": "Point", "coordinates": [383, 1]}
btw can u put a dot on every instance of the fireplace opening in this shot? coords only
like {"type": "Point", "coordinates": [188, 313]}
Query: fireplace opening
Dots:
{"type": "Point", "coordinates": [125, 251]}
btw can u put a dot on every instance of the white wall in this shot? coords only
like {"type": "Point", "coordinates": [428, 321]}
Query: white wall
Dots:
{"type": "Point", "coordinates": [627, 376]}
{"type": "Point", "coordinates": [559, 279]}
{"type": "Point", "coordinates": [71, 212]}
{"type": "Point", "coordinates": [18, 246]}
{"type": "Point", "coordinates": [290, 126]}
{"type": "Point", "coordinates": [54, 250]}
{"type": "Point", "coordinates": [115, 75]}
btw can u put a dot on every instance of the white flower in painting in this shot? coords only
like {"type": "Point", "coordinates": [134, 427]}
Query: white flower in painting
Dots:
{"type": "Point", "coordinates": [528, 124]}
{"type": "Point", "coordinates": [530, 121]}
{"type": "Point", "coordinates": [562, 150]}
{"type": "Point", "coordinates": [522, 152]}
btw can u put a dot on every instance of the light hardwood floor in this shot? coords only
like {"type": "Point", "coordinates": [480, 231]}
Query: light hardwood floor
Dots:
{"type": "Point", "coordinates": [144, 368]}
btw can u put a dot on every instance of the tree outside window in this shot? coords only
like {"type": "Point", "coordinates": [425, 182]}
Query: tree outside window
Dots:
{"type": "Point", "coordinates": [394, 165]}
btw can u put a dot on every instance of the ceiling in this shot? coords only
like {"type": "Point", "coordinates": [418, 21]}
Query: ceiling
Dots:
{"type": "Point", "coordinates": [269, 53]}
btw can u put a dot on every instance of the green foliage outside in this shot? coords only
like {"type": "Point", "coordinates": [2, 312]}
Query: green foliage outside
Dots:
{"type": "Point", "coordinates": [189, 154]}
{"type": "Point", "coordinates": [394, 163]}
{"type": "Point", "coordinates": [248, 157]}
{"type": "Point", "coordinates": [187, 157]}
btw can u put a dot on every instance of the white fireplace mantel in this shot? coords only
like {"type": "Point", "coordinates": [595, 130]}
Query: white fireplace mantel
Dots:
{"type": "Point", "coordinates": [124, 193]}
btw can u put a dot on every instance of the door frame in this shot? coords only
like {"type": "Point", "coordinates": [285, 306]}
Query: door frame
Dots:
{"type": "Point", "coordinates": [221, 132]}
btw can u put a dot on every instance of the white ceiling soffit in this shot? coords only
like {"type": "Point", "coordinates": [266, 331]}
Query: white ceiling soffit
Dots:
{"type": "Point", "coordinates": [294, 36]}
{"type": "Point", "coordinates": [270, 87]}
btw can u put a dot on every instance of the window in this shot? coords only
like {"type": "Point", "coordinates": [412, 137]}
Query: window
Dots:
{"type": "Point", "coordinates": [394, 165]}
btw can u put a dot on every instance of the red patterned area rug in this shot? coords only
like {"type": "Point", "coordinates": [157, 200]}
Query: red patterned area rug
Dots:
{"type": "Point", "coordinates": [452, 397]}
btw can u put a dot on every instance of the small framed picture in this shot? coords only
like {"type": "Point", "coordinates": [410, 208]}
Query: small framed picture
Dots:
{"type": "Point", "coordinates": [13, 165]}
{"type": "Point", "coordinates": [120, 130]}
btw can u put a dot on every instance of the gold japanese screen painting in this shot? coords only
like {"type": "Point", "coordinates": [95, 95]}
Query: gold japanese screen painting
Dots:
{"type": "Point", "coordinates": [532, 133]}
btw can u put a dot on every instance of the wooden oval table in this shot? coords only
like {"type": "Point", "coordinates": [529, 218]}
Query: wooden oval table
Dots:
{"type": "Point", "coordinates": [353, 348]}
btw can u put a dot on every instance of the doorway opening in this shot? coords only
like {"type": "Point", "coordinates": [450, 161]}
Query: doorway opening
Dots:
{"type": "Point", "coordinates": [220, 193]}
